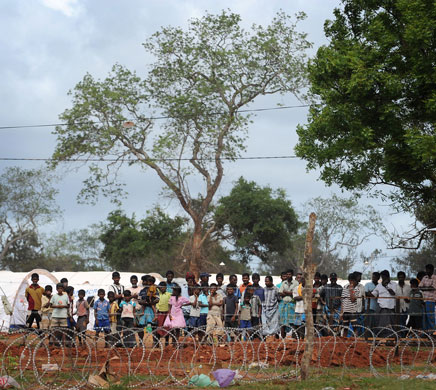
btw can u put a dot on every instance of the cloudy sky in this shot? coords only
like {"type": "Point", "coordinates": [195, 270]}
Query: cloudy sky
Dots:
{"type": "Point", "coordinates": [48, 45]}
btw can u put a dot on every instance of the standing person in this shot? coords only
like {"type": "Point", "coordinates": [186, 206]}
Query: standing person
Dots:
{"type": "Point", "coordinates": [416, 306]}
{"type": "Point", "coordinates": [101, 314]}
{"type": "Point", "coordinates": [118, 290]}
{"type": "Point", "coordinates": [128, 308]}
{"type": "Point", "coordinates": [385, 292]}
{"type": "Point", "coordinates": [221, 289]}
{"type": "Point", "coordinates": [372, 321]}
{"type": "Point", "coordinates": [233, 282]}
{"type": "Point", "coordinates": [271, 308]}
{"type": "Point", "coordinates": [34, 295]}
{"type": "Point", "coordinates": [135, 290]}
{"type": "Point", "coordinates": [82, 311]}
{"type": "Point", "coordinates": [299, 307]}
{"type": "Point", "coordinates": [148, 299]}
{"type": "Point", "coordinates": [287, 303]}
{"type": "Point", "coordinates": [194, 314]}
{"type": "Point", "coordinates": [231, 307]}
{"type": "Point", "coordinates": [214, 321]}
{"type": "Point", "coordinates": [331, 299]}
{"type": "Point", "coordinates": [360, 303]}
{"type": "Point", "coordinates": [245, 282]}
{"type": "Point", "coordinates": [403, 292]}
{"type": "Point", "coordinates": [258, 289]}
{"type": "Point", "coordinates": [315, 297]}
{"type": "Point", "coordinates": [256, 307]}
{"type": "Point", "coordinates": [349, 308]}
{"type": "Point", "coordinates": [46, 310]}
{"type": "Point", "coordinates": [59, 302]}
{"type": "Point", "coordinates": [170, 284]}
{"type": "Point", "coordinates": [204, 307]}
{"type": "Point", "coordinates": [428, 288]}
{"type": "Point", "coordinates": [113, 318]}
{"type": "Point", "coordinates": [162, 310]}
{"type": "Point", "coordinates": [70, 320]}
{"type": "Point", "coordinates": [175, 320]}
{"type": "Point", "coordinates": [187, 292]}
{"type": "Point", "coordinates": [244, 319]}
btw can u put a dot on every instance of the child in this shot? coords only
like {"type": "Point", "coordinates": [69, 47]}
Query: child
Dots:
{"type": "Point", "coordinates": [170, 284]}
{"type": "Point", "coordinates": [128, 308]}
{"type": "Point", "coordinates": [231, 308]}
{"type": "Point", "coordinates": [194, 314]}
{"type": "Point", "coordinates": [113, 318]}
{"type": "Point", "coordinates": [116, 287]}
{"type": "Point", "coordinates": [215, 312]}
{"type": "Point", "coordinates": [299, 307]}
{"type": "Point", "coordinates": [101, 312]}
{"type": "Point", "coordinates": [162, 309]}
{"type": "Point", "coordinates": [82, 311]}
{"type": "Point", "coordinates": [175, 320]}
{"type": "Point", "coordinates": [148, 299]}
{"type": "Point", "coordinates": [204, 307]}
{"type": "Point", "coordinates": [59, 302]}
{"type": "Point", "coordinates": [33, 295]}
{"type": "Point", "coordinates": [416, 306]}
{"type": "Point", "coordinates": [256, 307]}
{"type": "Point", "coordinates": [244, 320]}
{"type": "Point", "coordinates": [70, 320]}
{"type": "Point", "coordinates": [350, 295]}
{"type": "Point", "coordinates": [46, 310]}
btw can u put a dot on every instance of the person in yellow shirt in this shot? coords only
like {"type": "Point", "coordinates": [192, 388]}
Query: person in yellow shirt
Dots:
{"type": "Point", "coordinates": [162, 309]}
{"type": "Point", "coordinates": [46, 310]}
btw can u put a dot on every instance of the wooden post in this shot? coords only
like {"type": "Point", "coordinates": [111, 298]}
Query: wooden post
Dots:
{"type": "Point", "coordinates": [308, 273]}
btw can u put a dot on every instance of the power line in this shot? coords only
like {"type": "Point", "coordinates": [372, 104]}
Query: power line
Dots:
{"type": "Point", "coordinates": [151, 159]}
{"type": "Point", "coordinates": [151, 118]}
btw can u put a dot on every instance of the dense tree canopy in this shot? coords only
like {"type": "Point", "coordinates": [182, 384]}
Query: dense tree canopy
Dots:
{"type": "Point", "coordinates": [373, 115]}
{"type": "Point", "coordinates": [258, 221]}
{"type": "Point", "coordinates": [198, 85]}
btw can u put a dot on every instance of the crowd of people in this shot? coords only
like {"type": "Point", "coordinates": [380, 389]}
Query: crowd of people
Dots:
{"type": "Point", "coordinates": [203, 307]}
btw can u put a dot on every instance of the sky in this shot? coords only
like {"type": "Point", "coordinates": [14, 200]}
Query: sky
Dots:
{"type": "Point", "coordinates": [48, 46]}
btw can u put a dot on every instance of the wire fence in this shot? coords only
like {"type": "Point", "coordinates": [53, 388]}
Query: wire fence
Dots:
{"type": "Point", "coordinates": [62, 358]}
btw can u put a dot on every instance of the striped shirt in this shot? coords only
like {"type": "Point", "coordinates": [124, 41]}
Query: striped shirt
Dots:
{"type": "Point", "coordinates": [271, 297]}
{"type": "Point", "coordinates": [332, 296]}
{"type": "Point", "coordinates": [347, 305]}
{"type": "Point", "coordinates": [429, 282]}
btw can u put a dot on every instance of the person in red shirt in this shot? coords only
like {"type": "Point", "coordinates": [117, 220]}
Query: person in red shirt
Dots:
{"type": "Point", "coordinates": [33, 295]}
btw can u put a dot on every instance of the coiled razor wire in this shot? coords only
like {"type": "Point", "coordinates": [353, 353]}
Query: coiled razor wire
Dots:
{"type": "Point", "coordinates": [62, 359]}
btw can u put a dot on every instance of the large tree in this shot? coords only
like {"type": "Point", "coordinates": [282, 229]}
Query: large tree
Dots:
{"type": "Point", "coordinates": [373, 113]}
{"type": "Point", "coordinates": [27, 201]}
{"type": "Point", "coordinates": [258, 221]}
{"type": "Point", "coordinates": [202, 79]}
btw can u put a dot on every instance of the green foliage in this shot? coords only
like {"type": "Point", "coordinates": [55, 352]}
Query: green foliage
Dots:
{"type": "Point", "coordinates": [257, 220]}
{"type": "Point", "coordinates": [373, 114]}
{"type": "Point", "coordinates": [149, 245]}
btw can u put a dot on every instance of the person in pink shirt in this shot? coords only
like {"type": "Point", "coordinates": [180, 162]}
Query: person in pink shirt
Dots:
{"type": "Point", "coordinates": [176, 320]}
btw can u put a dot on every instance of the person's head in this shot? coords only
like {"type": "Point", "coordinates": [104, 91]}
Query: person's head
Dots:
{"type": "Point", "coordinates": [110, 296]}
{"type": "Point", "coordinates": [60, 288]}
{"type": "Point", "coordinates": [116, 277]}
{"type": "Point", "coordinates": [245, 278]}
{"type": "Point", "coordinates": [289, 275]}
{"type": "Point", "coordinates": [127, 295]}
{"type": "Point", "coordinates": [298, 277]}
{"type": "Point", "coordinates": [401, 276]}
{"type": "Point", "coordinates": [302, 281]}
{"type": "Point", "coordinates": [420, 275]}
{"type": "Point", "coordinates": [213, 288]}
{"type": "Point", "coordinates": [48, 290]}
{"type": "Point", "coordinates": [283, 276]}
{"type": "Point", "coordinates": [81, 294]}
{"type": "Point", "coordinates": [429, 269]}
{"type": "Point", "coordinates": [196, 290]}
{"type": "Point", "coordinates": [386, 277]}
{"type": "Point", "coordinates": [333, 278]}
{"type": "Point", "coordinates": [162, 286]}
{"type": "Point", "coordinates": [247, 297]}
{"type": "Point", "coordinates": [250, 290]}
{"type": "Point", "coordinates": [205, 288]}
{"type": "Point", "coordinates": [255, 278]}
{"type": "Point", "coordinates": [151, 280]}
{"type": "Point", "coordinates": [170, 276]}
{"type": "Point", "coordinates": [414, 283]}
{"type": "Point", "coordinates": [134, 280]}
{"type": "Point", "coordinates": [219, 278]}
{"type": "Point", "coordinates": [70, 291]}
{"type": "Point", "coordinates": [144, 279]}
{"type": "Point", "coordinates": [375, 277]}
{"type": "Point", "coordinates": [190, 278]}
{"type": "Point", "coordinates": [352, 279]}
{"type": "Point", "coordinates": [177, 291]}
{"type": "Point", "coordinates": [324, 279]}
{"type": "Point", "coordinates": [358, 276]}
{"type": "Point", "coordinates": [34, 278]}
{"type": "Point", "coordinates": [268, 281]}
{"type": "Point", "coordinates": [64, 281]}
{"type": "Point", "coordinates": [204, 277]}
{"type": "Point", "coordinates": [101, 293]}
{"type": "Point", "coordinates": [317, 278]}
{"type": "Point", "coordinates": [233, 279]}
{"type": "Point", "coordinates": [230, 290]}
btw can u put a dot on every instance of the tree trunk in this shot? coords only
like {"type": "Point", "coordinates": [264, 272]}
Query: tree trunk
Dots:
{"type": "Point", "coordinates": [195, 259]}
{"type": "Point", "coordinates": [308, 273]}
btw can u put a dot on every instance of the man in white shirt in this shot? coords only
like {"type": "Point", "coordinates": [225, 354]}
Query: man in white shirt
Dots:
{"type": "Point", "coordinates": [385, 291]}
{"type": "Point", "coordinates": [403, 290]}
